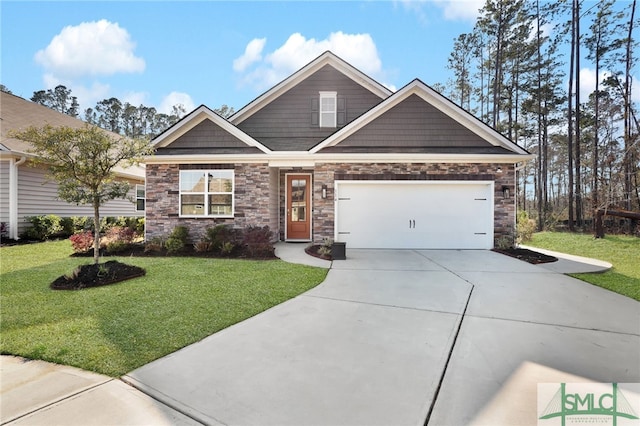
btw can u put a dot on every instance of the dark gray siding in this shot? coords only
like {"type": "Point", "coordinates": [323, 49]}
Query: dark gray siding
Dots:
{"type": "Point", "coordinates": [207, 138]}
{"type": "Point", "coordinates": [285, 124]}
{"type": "Point", "coordinates": [415, 125]}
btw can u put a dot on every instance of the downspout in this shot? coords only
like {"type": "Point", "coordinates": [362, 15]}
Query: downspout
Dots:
{"type": "Point", "coordinates": [13, 196]}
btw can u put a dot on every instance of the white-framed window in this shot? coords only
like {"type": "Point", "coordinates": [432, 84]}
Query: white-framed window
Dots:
{"type": "Point", "coordinates": [328, 109]}
{"type": "Point", "coordinates": [140, 198]}
{"type": "Point", "coordinates": [206, 193]}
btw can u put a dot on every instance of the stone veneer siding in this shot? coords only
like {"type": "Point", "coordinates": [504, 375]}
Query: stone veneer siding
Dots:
{"type": "Point", "coordinates": [162, 204]}
{"type": "Point", "coordinates": [326, 174]}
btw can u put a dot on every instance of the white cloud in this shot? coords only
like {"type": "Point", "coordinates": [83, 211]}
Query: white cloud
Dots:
{"type": "Point", "coordinates": [91, 48]}
{"type": "Point", "coordinates": [176, 98]}
{"type": "Point", "coordinates": [452, 10]}
{"type": "Point", "coordinates": [88, 97]}
{"type": "Point", "coordinates": [357, 49]}
{"type": "Point", "coordinates": [252, 53]}
{"type": "Point", "coordinates": [460, 10]}
{"type": "Point", "coordinates": [135, 98]}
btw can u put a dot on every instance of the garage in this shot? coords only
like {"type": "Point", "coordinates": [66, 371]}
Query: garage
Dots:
{"type": "Point", "coordinates": [415, 214]}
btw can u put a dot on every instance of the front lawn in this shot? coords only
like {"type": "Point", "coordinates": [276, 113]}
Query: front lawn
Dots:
{"type": "Point", "coordinates": [623, 252]}
{"type": "Point", "coordinates": [117, 328]}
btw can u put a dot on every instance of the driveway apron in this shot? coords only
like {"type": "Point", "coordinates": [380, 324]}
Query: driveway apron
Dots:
{"type": "Point", "coordinates": [405, 337]}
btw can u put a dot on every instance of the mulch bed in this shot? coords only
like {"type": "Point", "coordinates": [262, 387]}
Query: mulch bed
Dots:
{"type": "Point", "coordinates": [138, 250]}
{"type": "Point", "coordinates": [93, 275]}
{"type": "Point", "coordinates": [527, 255]}
{"type": "Point", "coordinates": [313, 251]}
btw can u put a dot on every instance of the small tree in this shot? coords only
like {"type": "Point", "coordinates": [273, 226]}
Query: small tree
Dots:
{"type": "Point", "coordinates": [82, 162]}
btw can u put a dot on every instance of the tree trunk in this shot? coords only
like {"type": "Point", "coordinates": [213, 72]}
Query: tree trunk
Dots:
{"type": "Point", "coordinates": [578, 174]}
{"type": "Point", "coordinates": [96, 232]}
{"type": "Point", "coordinates": [628, 157]}
{"type": "Point", "coordinates": [570, 123]}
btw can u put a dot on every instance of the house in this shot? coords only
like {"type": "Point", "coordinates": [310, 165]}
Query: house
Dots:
{"type": "Point", "coordinates": [24, 189]}
{"type": "Point", "coordinates": [329, 153]}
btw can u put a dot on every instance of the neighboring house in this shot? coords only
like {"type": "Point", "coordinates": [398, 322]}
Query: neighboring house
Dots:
{"type": "Point", "coordinates": [329, 153]}
{"type": "Point", "coordinates": [24, 189]}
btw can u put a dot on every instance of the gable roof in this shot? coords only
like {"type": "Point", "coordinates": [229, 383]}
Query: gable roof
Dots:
{"type": "Point", "coordinates": [196, 117]}
{"type": "Point", "coordinates": [18, 114]}
{"type": "Point", "coordinates": [433, 98]}
{"type": "Point", "coordinates": [327, 58]}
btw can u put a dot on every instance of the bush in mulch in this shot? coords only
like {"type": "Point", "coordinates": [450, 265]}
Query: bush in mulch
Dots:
{"type": "Point", "coordinates": [96, 275]}
{"type": "Point", "coordinates": [527, 255]}
{"type": "Point", "coordinates": [316, 251]}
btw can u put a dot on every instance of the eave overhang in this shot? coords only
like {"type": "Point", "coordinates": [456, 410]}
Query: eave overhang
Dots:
{"type": "Point", "coordinates": [292, 159]}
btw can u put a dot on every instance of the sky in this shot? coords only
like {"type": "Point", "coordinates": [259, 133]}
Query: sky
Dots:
{"type": "Point", "coordinates": [163, 53]}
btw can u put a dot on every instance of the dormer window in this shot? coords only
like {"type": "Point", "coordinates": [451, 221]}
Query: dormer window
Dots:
{"type": "Point", "coordinates": [328, 109]}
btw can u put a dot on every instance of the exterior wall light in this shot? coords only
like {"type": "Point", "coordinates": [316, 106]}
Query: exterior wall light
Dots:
{"type": "Point", "coordinates": [506, 192]}
{"type": "Point", "coordinates": [324, 192]}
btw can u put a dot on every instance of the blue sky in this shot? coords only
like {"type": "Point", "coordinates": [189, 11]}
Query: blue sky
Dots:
{"type": "Point", "coordinates": [214, 52]}
{"type": "Point", "coordinates": [157, 53]}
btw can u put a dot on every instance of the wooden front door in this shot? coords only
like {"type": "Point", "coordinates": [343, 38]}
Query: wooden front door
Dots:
{"type": "Point", "coordinates": [298, 207]}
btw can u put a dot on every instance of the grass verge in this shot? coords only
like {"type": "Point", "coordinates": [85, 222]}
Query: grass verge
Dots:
{"type": "Point", "coordinates": [117, 328]}
{"type": "Point", "coordinates": [623, 252]}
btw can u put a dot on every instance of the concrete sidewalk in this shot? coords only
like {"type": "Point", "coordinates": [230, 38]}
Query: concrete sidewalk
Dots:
{"type": "Point", "coordinates": [38, 393]}
{"type": "Point", "coordinates": [571, 264]}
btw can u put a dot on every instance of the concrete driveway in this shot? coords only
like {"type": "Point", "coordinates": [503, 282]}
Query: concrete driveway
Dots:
{"type": "Point", "coordinates": [404, 337]}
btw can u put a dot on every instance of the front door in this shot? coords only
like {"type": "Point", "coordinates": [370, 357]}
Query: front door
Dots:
{"type": "Point", "coordinates": [298, 207]}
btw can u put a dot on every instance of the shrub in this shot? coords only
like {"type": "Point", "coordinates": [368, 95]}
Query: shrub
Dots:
{"type": "Point", "coordinates": [202, 246]}
{"type": "Point", "coordinates": [138, 226]}
{"type": "Point", "coordinates": [43, 227]}
{"type": "Point", "coordinates": [177, 239]}
{"type": "Point", "coordinates": [4, 229]}
{"type": "Point", "coordinates": [227, 248]}
{"type": "Point", "coordinates": [220, 235]}
{"type": "Point", "coordinates": [81, 223]}
{"type": "Point", "coordinates": [180, 233]}
{"type": "Point", "coordinates": [117, 246]}
{"type": "Point", "coordinates": [505, 242]}
{"type": "Point", "coordinates": [257, 241]}
{"type": "Point", "coordinates": [120, 234]}
{"type": "Point", "coordinates": [155, 245]}
{"type": "Point", "coordinates": [82, 242]}
{"type": "Point", "coordinates": [525, 227]}
{"type": "Point", "coordinates": [325, 248]}
{"type": "Point", "coordinates": [68, 227]}
{"type": "Point", "coordinates": [174, 245]}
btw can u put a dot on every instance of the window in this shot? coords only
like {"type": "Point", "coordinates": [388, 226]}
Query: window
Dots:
{"type": "Point", "coordinates": [140, 197]}
{"type": "Point", "coordinates": [328, 109]}
{"type": "Point", "coordinates": [206, 193]}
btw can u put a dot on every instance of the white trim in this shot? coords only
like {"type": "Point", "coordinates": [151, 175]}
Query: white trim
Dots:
{"type": "Point", "coordinates": [286, 204]}
{"type": "Point", "coordinates": [196, 117]}
{"type": "Point", "coordinates": [490, 183]}
{"type": "Point", "coordinates": [327, 58]}
{"type": "Point", "coordinates": [144, 187]}
{"type": "Point", "coordinates": [206, 194]}
{"type": "Point", "coordinates": [305, 159]}
{"type": "Point", "coordinates": [334, 122]}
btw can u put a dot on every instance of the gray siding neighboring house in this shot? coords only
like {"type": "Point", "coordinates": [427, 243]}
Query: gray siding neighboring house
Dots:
{"type": "Point", "coordinates": [24, 190]}
{"type": "Point", "coordinates": [404, 169]}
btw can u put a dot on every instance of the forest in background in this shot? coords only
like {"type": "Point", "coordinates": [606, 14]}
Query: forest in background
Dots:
{"type": "Point", "coordinates": [517, 71]}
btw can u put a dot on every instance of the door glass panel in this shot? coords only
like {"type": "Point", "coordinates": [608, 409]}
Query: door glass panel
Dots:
{"type": "Point", "coordinates": [298, 200]}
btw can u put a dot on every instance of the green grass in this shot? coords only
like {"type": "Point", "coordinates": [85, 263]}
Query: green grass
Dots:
{"type": "Point", "coordinates": [117, 328]}
{"type": "Point", "coordinates": [623, 252]}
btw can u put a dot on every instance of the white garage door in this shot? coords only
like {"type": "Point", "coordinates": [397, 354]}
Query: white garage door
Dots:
{"type": "Point", "coordinates": [430, 215]}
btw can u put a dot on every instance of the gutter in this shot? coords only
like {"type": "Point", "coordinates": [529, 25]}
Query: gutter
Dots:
{"type": "Point", "coordinates": [13, 196]}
